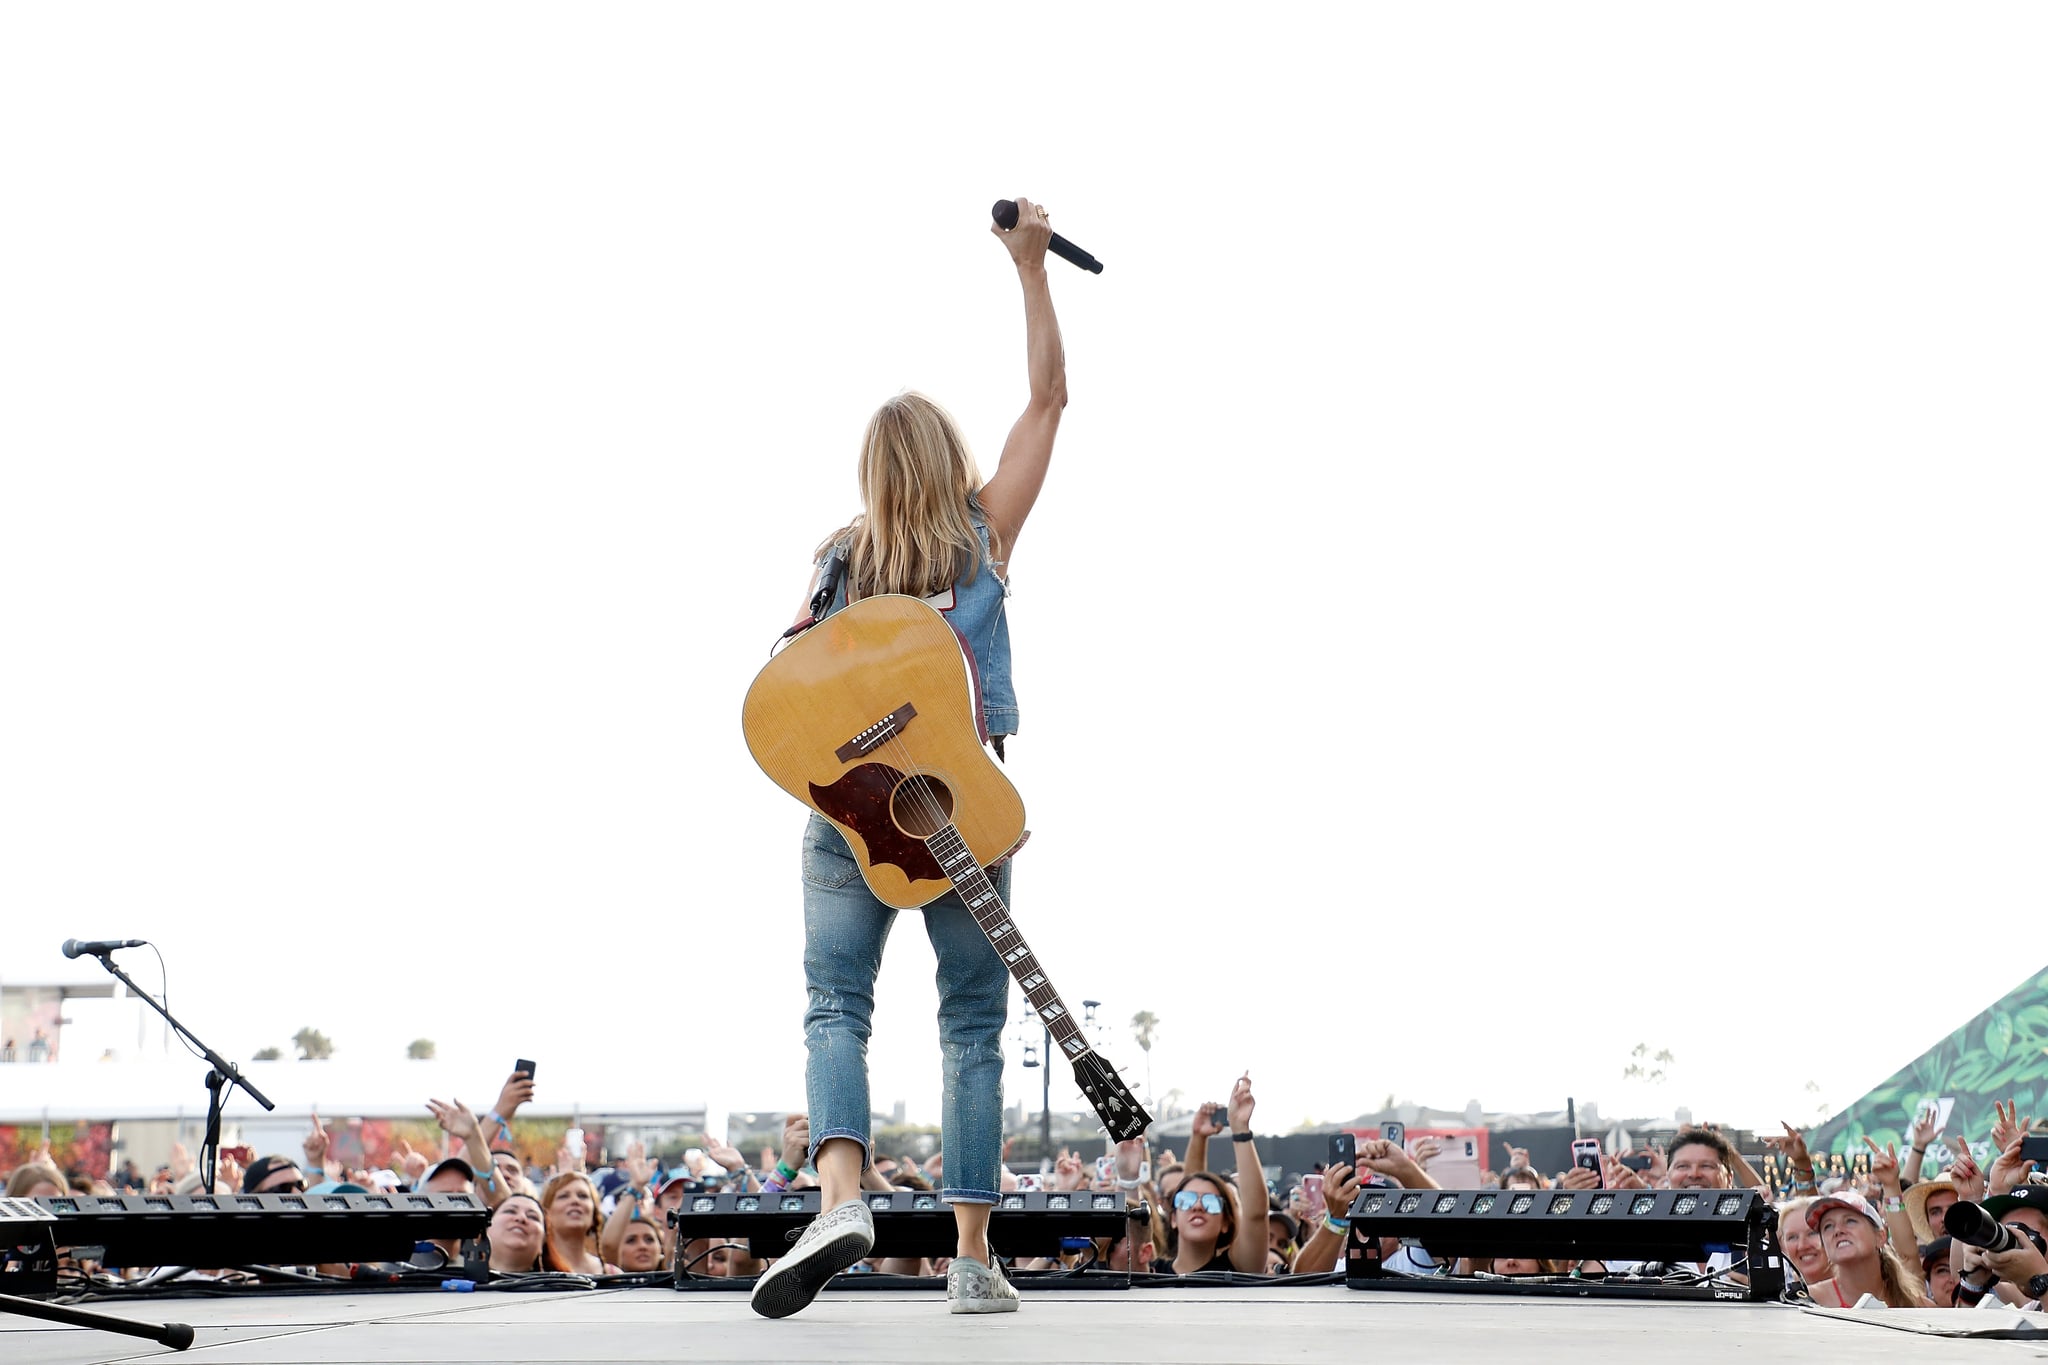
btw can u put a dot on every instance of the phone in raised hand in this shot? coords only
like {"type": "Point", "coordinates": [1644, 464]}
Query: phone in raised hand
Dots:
{"type": "Point", "coordinates": [1312, 1195]}
{"type": "Point", "coordinates": [1586, 1156]}
{"type": "Point", "coordinates": [1344, 1150]}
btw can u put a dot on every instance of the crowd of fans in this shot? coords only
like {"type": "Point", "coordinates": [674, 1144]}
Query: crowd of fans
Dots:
{"type": "Point", "coordinates": [1875, 1234]}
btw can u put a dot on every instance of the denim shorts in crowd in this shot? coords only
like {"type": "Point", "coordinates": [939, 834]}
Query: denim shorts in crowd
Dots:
{"type": "Point", "coordinates": [844, 930]}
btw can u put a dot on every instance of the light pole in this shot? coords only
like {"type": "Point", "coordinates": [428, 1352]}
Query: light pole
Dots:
{"type": "Point", "coordinates": [1032, 1053]}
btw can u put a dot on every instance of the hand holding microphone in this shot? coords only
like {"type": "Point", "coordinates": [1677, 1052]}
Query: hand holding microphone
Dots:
{"type": "Point", "coordinates": [1019, 223]}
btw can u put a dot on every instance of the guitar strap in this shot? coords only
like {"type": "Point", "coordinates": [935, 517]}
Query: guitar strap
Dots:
{"type": "Point", "coordinates": [829, 574]}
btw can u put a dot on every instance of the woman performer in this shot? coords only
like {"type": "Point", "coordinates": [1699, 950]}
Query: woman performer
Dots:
{"type": "Point", "coordinates": [929, 528]}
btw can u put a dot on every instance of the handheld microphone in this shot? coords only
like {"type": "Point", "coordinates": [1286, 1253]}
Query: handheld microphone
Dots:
{"type": "Point", "coordinates": [1005, 213]}
{"type": "Point", "coordinates": [99, 947]}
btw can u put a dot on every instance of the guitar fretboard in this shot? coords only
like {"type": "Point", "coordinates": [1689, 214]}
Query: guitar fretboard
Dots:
{"type": "Point", "coordinates": [979, 895]}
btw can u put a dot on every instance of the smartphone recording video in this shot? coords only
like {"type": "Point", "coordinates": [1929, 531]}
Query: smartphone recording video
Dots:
{"type": "Point", "coordinates": [1344, 1150]}
{"type": "Point", "coordinates": [1586, 1156]}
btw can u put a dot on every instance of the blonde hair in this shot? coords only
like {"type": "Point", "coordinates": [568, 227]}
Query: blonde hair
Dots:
{"type": "Point", "coordinates": [918, 488]}
{"type": "Point", "coordinates": [1903, 1287]}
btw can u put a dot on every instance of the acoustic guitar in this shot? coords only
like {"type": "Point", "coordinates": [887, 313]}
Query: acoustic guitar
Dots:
{"type": "Point", "coordinates": [869, 718]}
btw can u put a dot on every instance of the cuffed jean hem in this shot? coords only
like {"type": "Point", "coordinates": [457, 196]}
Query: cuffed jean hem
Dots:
{"type": "Point", "coordinates": [970, 1196]}
{"type": "Point", "coordinates": [819, 1140]}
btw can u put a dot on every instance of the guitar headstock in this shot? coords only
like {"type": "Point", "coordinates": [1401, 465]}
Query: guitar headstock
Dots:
{"type": "Point", "coordinates": [1113, 1102]}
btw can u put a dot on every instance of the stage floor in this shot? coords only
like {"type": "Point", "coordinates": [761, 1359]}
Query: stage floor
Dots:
{"type": "Point", "coordinates": [1152, 1326]}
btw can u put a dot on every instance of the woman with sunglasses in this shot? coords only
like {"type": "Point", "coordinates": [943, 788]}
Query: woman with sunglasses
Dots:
{"type": "Point", "coordinates": [1209, 1212]}
{"type": "Point", "coordinates": [1207, 1230]}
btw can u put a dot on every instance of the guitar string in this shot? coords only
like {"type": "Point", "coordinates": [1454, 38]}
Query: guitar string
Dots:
{"type": "Point", "coordinates": [933, 809]}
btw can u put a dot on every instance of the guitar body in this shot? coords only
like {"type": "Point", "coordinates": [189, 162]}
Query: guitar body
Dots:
{"type": "Point", "coordinates": [869, 719]}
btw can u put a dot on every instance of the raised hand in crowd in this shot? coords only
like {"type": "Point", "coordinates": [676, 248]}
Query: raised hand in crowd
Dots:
{"type": "Point", "coordinates": [729, 1157]}
{"type": "Point", "coordinates": [637, 1167]}
{"type": "Point", "coordinates": [1518, 1158]}
{"type": "Point", "coordinates": [1884, 1175]}
{"type": "Point", "coordinates": [1324, 1247]}
{"type": "Point", "coordinates": [1388, 1158]}
{"type": "Point", "coordinates": [1426, 1151]}
{"type": "Point", "coordinates": [2007, 1123]}
{"type": "Point", "coordinates": [1792, 1146]}
{"type": "Point", "coordinates": [796, 1142]}
{"type": "Point", "coordinates": [412, 1165]}
{"type": "Point", "coordinates": [517, 1090]}
{"type": "Point", "coordinates": [316, 1142]}
{"type": "Point", "coordinates": [2009, 1169]}
{"type": "Point", "coordinates": [181, 1162]}
{"type": "Point", "coordinates": [1068, 1172]}
{"type": "Point", "coordinates": [459, 1123]}
{"type": "Point", "coordinates": [1581, 1178]}
{"type": "Point", "coordinates": [1964, 1172]}
{"type": "Point", "coordinates": [227, 1175]}
{"type": "Point", "coordinates": [1201, 1128]}
{"type": "Point", "coordinates": [1922, 1135]}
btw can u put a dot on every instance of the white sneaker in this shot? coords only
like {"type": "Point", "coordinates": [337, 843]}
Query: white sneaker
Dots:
{"type": "Point", "coordinates": [972, 1287]}
{"type": "Point", "coordinates": [836, 1239]}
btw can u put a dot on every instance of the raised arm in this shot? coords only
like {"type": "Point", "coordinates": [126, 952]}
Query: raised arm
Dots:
{"type": "Point", "coordinates": [1248, 1249]}
{"type": "Point", "coordinates": [1201, 1128]}
{"type": "Point", "coordinates": [1009, 494]}
{"type": "Point", "coordinates": [458, 1122]}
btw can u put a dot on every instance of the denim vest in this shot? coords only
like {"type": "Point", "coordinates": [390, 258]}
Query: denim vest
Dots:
{"type": "Point", "coordinates": [976, 612]}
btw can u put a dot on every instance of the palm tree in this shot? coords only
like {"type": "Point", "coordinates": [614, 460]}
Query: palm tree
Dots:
{"type": "Point", "coordinates": [420, 1049]}
{"type": "Point", "coordinates": [266, 1054]}
{"type": "Point", "coordinates": [312, 1045]}
{"type": "Point", "coordinates": [1144, 1028]}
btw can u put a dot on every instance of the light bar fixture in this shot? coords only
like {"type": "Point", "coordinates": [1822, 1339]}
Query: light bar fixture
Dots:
{"type": "Point", "coordinates": [1680, 1227]}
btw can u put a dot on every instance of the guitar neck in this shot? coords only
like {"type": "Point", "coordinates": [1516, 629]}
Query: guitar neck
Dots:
{"type": "Point", "coordinates": [979, 895]}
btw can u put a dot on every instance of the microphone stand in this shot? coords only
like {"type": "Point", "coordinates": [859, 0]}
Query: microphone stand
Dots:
{"type": "Point", "coordinates": [218, 1080]}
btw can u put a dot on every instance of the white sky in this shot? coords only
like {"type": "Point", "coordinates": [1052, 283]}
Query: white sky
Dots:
{"type": "Point", "coordinates": [1545, 552]}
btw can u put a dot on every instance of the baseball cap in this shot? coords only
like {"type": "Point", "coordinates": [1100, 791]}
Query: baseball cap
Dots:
{"type": "Point", "coordinates": [2022, 1197]}
{"type": "Point", "coordinates": [262, 1168]}
{"type": "Point", "coordinates": [1936, 1250]}
{"type": "Point", "coordinates": [453, 1163]}
{"type": "Point", "coordinates": [1847, 1199]}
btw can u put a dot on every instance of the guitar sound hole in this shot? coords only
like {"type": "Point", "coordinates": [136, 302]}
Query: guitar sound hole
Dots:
{"type": "Point", "coordinates": [921, 806]}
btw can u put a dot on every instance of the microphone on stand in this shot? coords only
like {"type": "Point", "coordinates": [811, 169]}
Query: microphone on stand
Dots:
{"type": "Point", "coordinates": [1005, 214]}
{"type": "Point", "coordinates": [99, 947]}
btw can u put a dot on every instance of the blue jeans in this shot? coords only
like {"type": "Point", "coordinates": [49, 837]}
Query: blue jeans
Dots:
{"type": "Point", "coordinates": [844, 930]}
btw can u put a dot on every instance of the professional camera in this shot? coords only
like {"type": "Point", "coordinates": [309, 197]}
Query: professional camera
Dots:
{"type": "Point", "coordinates": [1973, 1223]}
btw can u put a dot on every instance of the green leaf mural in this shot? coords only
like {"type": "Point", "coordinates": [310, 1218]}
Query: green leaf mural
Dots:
{"type": "Point", "coordinates": [2001, 1054]}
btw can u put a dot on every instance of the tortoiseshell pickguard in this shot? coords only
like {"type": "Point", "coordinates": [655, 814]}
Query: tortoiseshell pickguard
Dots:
{"type": "Point", "coordinates": [860, 799]}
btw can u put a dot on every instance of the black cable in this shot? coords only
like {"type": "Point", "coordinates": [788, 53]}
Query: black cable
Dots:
{"type": "Point", "coordinates": [163, 990]}
{"type": "Point", "coordinates": [537, 1281]}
